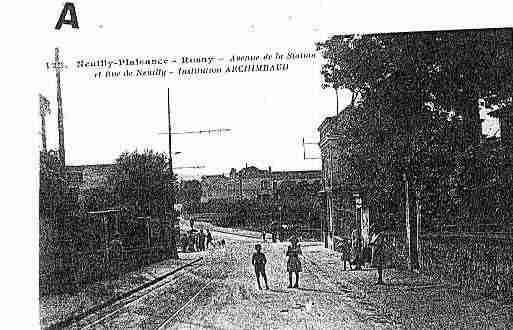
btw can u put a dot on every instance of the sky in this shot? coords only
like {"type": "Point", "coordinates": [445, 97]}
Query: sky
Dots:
{"type": "Point", "coordinates": [268, 113]}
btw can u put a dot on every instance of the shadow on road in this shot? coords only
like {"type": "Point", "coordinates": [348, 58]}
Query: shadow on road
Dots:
{"type": "Point", "coordinates": [279, 291]}
{"type": "Point", "coordinates": [420, 285]}
{"type": "Point", "coordinates": [201, 326]}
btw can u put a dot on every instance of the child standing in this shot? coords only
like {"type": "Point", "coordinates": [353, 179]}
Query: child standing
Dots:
{"type": "Point", "coordinates": [293, 263]}
{"type": "Point", "coordinates": [259, 262]}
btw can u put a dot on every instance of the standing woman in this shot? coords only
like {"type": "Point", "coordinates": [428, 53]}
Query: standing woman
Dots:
{"type": "Point", "coordinates": [293, 262]}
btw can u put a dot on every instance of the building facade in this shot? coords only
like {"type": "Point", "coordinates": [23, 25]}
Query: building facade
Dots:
{"type": "Point", "coordinates": [345, 207]}
{"type": "Point", "coordinates": [251, 183]}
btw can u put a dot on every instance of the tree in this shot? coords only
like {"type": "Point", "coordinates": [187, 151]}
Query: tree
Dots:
{"type": "Point", "coordinates": [142, 182]}
{"type": "Point", "coordinates": [297, 200]}
{"type": "Point", "coordinates": [480, 188]}
{"type": "Point", "coordinates": [51, 184]}
{"type": "Point", "coordinates": [408, 91]}
{"type": "Point", "coordinates": [402, 72]}
{"type": "Point", "coordinates": [189, 194]}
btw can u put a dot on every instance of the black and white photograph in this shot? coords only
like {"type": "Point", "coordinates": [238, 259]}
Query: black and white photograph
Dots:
{"type": "Point", "coordinates": [275, 169]}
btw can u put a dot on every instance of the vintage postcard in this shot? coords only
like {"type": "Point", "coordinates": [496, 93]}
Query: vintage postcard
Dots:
{"type": "Point", "coordinates": [274, 165]}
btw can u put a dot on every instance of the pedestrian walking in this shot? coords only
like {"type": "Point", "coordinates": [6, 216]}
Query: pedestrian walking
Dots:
{"type": "Point", "coordinates": [201, 240]}
{"type": "Point", "coordinates": [184, 241]}
{"type": "Point", "coordinates": [263, 234]}
{"type": "Point", "coordinates": [258, 260]}
{"type": "Point", "coordinates": [356, 249]}
{"type": "Point", "coordinates": [378, 246]}
{"type": "Point", "coordinates": [192, 241]}
{"type": "Point", "coordinates": [293, 262]}
{"type": "Point", "coordinates": [209, 237]}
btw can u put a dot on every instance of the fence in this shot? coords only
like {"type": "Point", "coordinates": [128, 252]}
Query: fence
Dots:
{"type": "Point", "coordinates": [480, 262]}
{"type": "Point", "coordinates": [61, 272]}
{"type": "Point", "coordinates": [73, 255]}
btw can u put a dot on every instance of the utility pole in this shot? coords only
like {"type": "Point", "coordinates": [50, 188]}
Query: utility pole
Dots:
{"type": "Point", "coordinates": [419, 225]}
{"type": "Point", "coordinates": [60, 119]}
{"type": "Point", "coordinates": [172, 199]}
{"type": "Point", "coordinates": [173, 251]}
{"type": "Point", "coordinates": [336, 94]}
{"type": "Point", "coordinates": [408, 227]}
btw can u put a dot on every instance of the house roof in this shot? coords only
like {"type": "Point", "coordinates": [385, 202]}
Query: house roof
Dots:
{"type": "Point", "coordinates": [214, 177]}
{"type": "Point", "coordinates": [309, 174]}
{"type": "Point", "coordinates": [252, 172]}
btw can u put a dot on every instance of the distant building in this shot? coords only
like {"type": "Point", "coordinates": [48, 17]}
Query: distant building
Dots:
{"type": "Point", "coordinates": [251, 183]}
{"type": "Point", "coordinates": [218, 187]}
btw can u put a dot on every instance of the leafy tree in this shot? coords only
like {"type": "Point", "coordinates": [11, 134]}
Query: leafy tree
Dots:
{"type": "Point", "coordinates": [101, 198]}
{"type": "Point", "coordinates": [297, 201]}
{"type": "Point", "coordinates": [189, 194]}
{"type": "Point", "coordinates": [142, 181]}
{"type": "Point", "coordinates": [481, 189]}
{"type": "Point", "coordinates": [409, 90]}
{"type": "Point", "coordinates": [402, 72]}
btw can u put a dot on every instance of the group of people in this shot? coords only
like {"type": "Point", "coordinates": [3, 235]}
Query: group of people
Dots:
{"type": "Point", "coordinates": [293, 263]}
{"type": "Point", "coordinates": [196, 240]}
{"type": "Point", "coordinates": [375, 251]}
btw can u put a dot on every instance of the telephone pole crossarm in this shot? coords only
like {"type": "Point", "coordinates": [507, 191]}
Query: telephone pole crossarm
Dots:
{"type": "Point", "coordinates": [182, 167]}
{"type": "Point", "coordinates": [208, 131]}
{"type": "Point", "coordinates": [304, 149]}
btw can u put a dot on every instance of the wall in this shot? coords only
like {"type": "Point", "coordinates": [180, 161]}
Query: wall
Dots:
{"type": "Point", "coordinates": [250, 183]}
